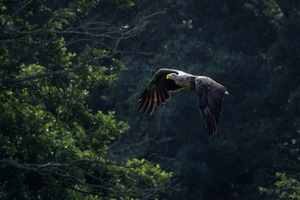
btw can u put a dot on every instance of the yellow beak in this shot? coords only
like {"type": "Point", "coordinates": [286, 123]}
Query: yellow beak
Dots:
{"type": "Point", "coordinates": [168, 76]}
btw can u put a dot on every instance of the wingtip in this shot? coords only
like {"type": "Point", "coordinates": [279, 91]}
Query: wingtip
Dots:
{"type": "Point", "coordinates": [211, 135]}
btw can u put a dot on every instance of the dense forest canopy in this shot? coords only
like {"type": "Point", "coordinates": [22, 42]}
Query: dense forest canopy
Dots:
{"type": "Point", "coordinates": [71, 73]}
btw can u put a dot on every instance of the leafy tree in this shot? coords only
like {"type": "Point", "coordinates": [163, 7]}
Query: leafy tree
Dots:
{"type": "Point", "coordinates": [285, 188]}
{"type": "Point", "coordinates": [52, 144]}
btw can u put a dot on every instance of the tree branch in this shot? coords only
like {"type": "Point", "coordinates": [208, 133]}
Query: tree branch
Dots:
{"type": "Point", "coordinates": [36, 76]}
{"type": "Point", "coordinates": [13, 15]}
{"type": "Point", "coordinates": [47, 74]}
{"type": "Point", "coordinates": [61, 169]}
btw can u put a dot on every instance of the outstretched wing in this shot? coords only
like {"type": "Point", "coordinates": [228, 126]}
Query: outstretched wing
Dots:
{"type": "Point", "coordinates": [210, 95]}
{"type": "Point", "coordinates": [158, 91]}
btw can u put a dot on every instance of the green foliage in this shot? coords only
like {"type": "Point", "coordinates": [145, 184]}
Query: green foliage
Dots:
{"type": "Point", "coordinates": [52, 144]}
{"type": "Point", "coordinates": [84, 6]}
{"type": "Point", "coordinates": [124, 4]}
{"type": "Point", "coordinates": [285, 188]}
{"type": "Point", "coordinates": [140, 174]}
{"type": "Point", "coordinates": [61, 116]}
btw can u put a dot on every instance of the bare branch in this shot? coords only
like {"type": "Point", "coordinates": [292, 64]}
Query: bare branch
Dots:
{"type": "Point", "coordinates": [36, 76]}
{"type": "Point", "coordinates": [65, 170]}
{"type": "Point", "coordinates": [33, 167]}
{"type": "Point", "coordinates": [13, 15]}
{"type": "Point", "coordinates": [145, 140]}
{"type": "Point", "coordinates": [98, 33]}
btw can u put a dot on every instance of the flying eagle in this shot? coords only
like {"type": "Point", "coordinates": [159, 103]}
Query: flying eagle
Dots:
{"type": "Point", "coordinates": [210, 94]}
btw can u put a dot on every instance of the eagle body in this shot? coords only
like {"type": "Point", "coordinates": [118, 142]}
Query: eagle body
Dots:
{"type": "Point", "coordinates": [210, 94]}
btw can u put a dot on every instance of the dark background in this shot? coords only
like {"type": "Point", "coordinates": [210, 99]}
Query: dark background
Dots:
{"type": "Point", "coordinates": [252, 47]}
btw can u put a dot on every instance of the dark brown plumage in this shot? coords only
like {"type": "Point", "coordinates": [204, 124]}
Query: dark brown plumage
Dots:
{"type": "Point", "coordinates": [210, 94]}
